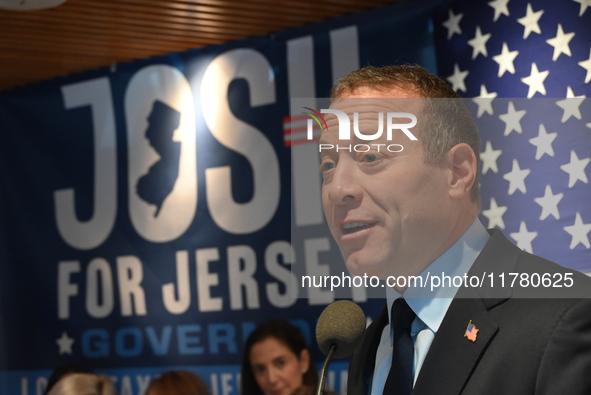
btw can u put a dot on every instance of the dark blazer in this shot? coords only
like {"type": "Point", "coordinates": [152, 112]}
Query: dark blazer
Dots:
{"type": "Point", "coordinates": [526, 344]}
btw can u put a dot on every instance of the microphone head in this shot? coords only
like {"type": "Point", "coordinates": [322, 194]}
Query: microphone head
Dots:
{"type": "Point", "coordinates": [342, 323]}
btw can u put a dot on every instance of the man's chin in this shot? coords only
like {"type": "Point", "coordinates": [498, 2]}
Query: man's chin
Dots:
{"type": "Point", "coordinates": [369, 269]}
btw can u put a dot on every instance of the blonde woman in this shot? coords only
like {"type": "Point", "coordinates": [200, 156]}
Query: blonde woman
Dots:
{"type": "Point", "coordinates": [83, 384]}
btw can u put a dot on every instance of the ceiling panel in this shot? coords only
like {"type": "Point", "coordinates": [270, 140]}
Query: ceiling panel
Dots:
{"type": "Point", "coordinates": [85, 34]}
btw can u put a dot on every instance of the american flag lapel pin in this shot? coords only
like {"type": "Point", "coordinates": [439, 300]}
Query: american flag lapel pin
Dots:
{"type": "Point", "coordinates": [471, 332]}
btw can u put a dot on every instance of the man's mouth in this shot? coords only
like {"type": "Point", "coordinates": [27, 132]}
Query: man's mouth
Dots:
{"type": "Point", "coordinates": [352, 227]}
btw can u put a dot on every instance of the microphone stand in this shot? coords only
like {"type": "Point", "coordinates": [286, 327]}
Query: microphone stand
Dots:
{"type": "Point", "coordinates": [321, 381]}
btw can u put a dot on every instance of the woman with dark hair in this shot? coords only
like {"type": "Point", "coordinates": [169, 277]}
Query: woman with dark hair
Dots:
{"type": "Point", "coordinates": [276, 361]}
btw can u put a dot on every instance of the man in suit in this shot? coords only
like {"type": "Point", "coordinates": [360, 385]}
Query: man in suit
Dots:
{"type": "Point", "coordinates": [407, 209]}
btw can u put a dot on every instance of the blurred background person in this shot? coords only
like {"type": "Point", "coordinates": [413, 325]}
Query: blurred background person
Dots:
{"type": "Point", "coordinates": [64, 370]}
{"type": "Point", "coordinates": [83, 384]}
{"type": "Point", "coordinates": [277, 361]}
{"type": "Point", "coordinates": [177, 382]}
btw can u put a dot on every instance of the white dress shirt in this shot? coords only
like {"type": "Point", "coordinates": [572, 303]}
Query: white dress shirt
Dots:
{"type": "Point", "coordinates": [429, 305]}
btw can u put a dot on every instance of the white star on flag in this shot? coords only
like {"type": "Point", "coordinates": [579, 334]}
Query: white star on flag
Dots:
{"type": "Point", "coordinates": [530, 21]}
{"type": "Point", "coordinates": [579, 232]}
{"type": "Point", "coordinates": [586, 64]}
{"type": "Point", "coordinates": [524, 238]}
{"type": "Point", "coordinates": [478, 43]}
{"type": "Point", "coordinates": [571, 105]}
{"type": "Point", "coordinates": [457, 79]}
{"type": "Point", "coordinates": [512, 119]}
{"type": "Point", "coordinates": [560, 43]}
{"type": "Point", "coordinates": [484, 101]}
{"type": "Point", "coordinates": [576, 169]}
{"type": "Point", "coordinates": [505, 60]}
{"type": "Point", "coordinates": [500, 7]}
{"type": "Point", "coordinates": [516, 178]}
{"type": "Point", "coordinates": [535, 81]}
{"type": "Point", "coordinates": [549, 203]}
{"type": "Point", "coordinates": [543, 142]}
{"type": "Point", "coordinates": [584, 4]}
{"type": "Point", "coordinates": [489, 158]}
{"type": "Point", "coordinates": [495, 214]}
{"type": "Point", "coordinates": [453, 24]}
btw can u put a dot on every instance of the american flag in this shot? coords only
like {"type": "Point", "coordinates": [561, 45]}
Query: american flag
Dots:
{"type": "Point", "coordinates": [527, 67]}
{"type": "Point", "coordinates": [295, 130]}
{"type": "Point", "coordinates": [471, 332]}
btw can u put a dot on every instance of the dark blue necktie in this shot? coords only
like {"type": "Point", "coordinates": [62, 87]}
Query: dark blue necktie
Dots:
{"type": "Point", "coordinates": [400, 378]}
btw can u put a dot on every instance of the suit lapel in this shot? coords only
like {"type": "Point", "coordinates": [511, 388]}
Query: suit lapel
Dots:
{"type": "Point", "coordinates": [452, 357]}
{"type": "Point", "coordinates": [362, 366]}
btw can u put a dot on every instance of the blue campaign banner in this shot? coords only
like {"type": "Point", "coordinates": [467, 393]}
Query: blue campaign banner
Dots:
{"type": "Point", "coordinates": [145, 208]}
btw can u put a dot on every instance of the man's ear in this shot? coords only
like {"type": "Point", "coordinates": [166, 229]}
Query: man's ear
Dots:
{"type": "Point", "coordinates": [463, 166]}
{"type": "Point", "coordinates": [305, 360]}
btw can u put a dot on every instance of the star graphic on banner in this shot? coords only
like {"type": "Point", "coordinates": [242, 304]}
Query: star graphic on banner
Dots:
{"type": "Point", "coordinates": [65, 344]}
{"type": "Point", "coordinates": [576, 169]}
{"type": "Point", "coordinates": [489, 158]}
{"type": "Point", "coordinates": [535, 81]}
{"type": "Point", "coordinates": [571, 105]}
{"type": "Point", "coordinates": [516, 178]}
{"type": "Point", "coordinates": [549, 203]}
{"type": "Point", "coordinates": [500, 7]}
{"type": "Point", "coordinates": [543, 142]}
{"type": "Point", "coordinates": [530, 21]}
{"type": "Point", "coordinates": [586, 64]}
{"type": "Point", "coordinates": [584, 4]}
{"type": "Point", "coordinates": [579, 232]}
{"type": "Point", "coordinates": [452, 24]}
{"type": "Point", "coordinates": [505, 60]}
{"type": "Point", "coordinates": [495, 214]}
{"type": "Point", "coordinates": [484, 101]}
{"type": "Point", "coordinates": [560, 43]}
{"type": "Point", "coordinates": [457, 79]}
{"type": "Point", "coordinates": [478, 43]}
{"type": "Point", "coordinates": [512, 119]}
{"type": "Point", "coordinates": [524, 238]}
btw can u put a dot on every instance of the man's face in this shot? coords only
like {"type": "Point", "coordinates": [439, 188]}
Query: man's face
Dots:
{"type": "Point", "coordinates": [389, 212]}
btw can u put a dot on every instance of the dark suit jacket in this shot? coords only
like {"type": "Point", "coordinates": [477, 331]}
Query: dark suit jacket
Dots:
{"type": "Point", "coordinates": [525, 345]}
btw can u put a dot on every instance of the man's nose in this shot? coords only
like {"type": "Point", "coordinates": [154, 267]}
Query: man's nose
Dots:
{"type": "Point", "coordinates": [344, 186]}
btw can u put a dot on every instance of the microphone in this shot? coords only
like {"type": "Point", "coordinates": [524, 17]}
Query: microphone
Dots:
{"type": "Point", "coordinates": [339, 329]}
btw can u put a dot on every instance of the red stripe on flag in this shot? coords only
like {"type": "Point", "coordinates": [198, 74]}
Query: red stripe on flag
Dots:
{"type": "Point", "coordinates": [289, 143]}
